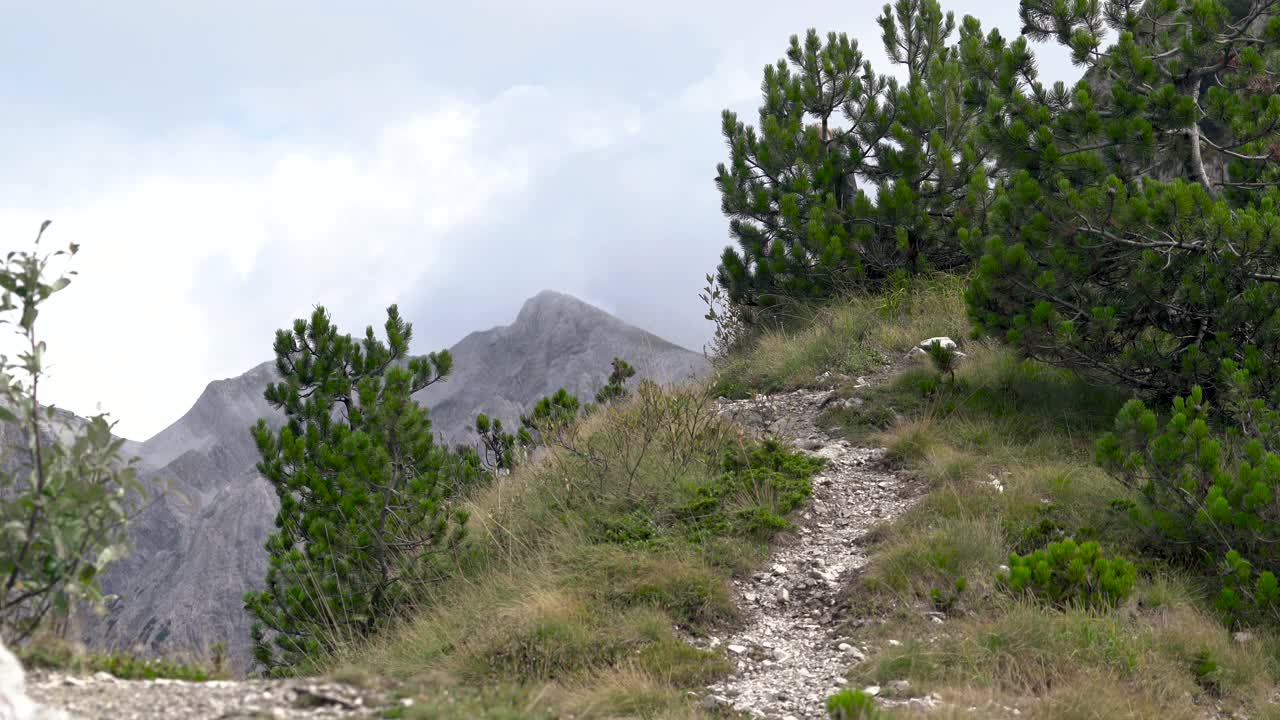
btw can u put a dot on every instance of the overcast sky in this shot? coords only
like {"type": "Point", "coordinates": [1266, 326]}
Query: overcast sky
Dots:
{"type": "Point", "coordinates": [226, 166]}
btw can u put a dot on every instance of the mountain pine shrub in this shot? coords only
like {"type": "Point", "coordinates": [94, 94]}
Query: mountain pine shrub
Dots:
{"type": "Point", "coordinates": [1136, 227]}
{"type": "Point", "coordinates": [551, 417]}
{"type": "Point", "coordinates": [615, 388]}
{"type": "Point", "coordinates": [944, 601]}
{"type": "Point", "coordinates": [803, 226]}
{"type": "Point", "coordinates": [497, 451]}
{"type": "Point", "coordinates": [1067, 574]}
{"type": "Point", "coordinates": [779, 477]}
{"type": "Point", "coordinates": [944, 359]}
{"type": "Point", "coordinates": [365, 524]}
{"type": "Point", "coordinates": [1205, 669]}
{"type": "Point", "coordinates": [1205, 496]}
{"type": "Point", "coordinates": [852, 705]}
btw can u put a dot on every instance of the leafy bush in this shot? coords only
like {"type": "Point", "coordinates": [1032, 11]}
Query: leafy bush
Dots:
{"type": "Point", "coordinates": [1067, 574]}
{"type": "Point", "coordinates": [498, 451]}
{"type": "Point", "coordinates": [1207, 497]}
{"type": "Point", "coordinates": [1205, 669]}
{"type": "Point", "coordinates": [1136, 229]}
{"type": "Point", "coordinates": [66, 496]}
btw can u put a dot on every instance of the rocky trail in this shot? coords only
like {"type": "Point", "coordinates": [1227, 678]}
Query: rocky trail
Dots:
{"type": "Point", "coordinates": [102, 696]}
{"type": "Point", "coordinates": [788, 657]}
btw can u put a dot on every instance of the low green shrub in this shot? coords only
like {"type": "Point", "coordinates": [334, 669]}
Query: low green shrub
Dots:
{"type": "Point", "coordinates": [60, 656]}
{"type": "Point", "coordinates": [944, 359]}
{"type": "Point", "coordinates": [944, 600]}
{"type": "Point", "coordinates": [752, 494]}
{"type": "Point", "coordinates": [1205, 669]}
{"type": "Point", "coordinates": [1067, 574]}
{"type": "Point", "coordinates": [852, 705]}
{"type": "Point", "coordinates": [633, 528]}
{"type": "Point", "coordinates": [1205, 496]}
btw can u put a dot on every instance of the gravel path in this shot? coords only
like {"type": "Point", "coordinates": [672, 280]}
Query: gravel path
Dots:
{"type": "Point", "coordinates": [103, 697]}
{"type": "Point", "coordinates": [788, 660]}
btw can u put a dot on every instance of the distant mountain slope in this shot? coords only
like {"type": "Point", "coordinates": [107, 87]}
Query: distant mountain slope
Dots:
{"type": "Point", "coordinates": [223, 412]}
{"type": "Point", "coordinates": [556, 341]}
{"type": "Point", "coordinates": [198, 547]}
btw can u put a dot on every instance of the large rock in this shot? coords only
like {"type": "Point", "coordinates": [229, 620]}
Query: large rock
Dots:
{"type": "Point", "coordinates": [199, 547]}
{"type": "Point", "coordinates": [14, 703]}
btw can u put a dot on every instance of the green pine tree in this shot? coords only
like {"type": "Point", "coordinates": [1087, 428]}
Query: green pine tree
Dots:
{"type": "Point", "coordinates": [498, 449]}
{"type": "Point", "coordinates": [803, 225]}
{"type": "Point", "coordinates": [1136, 231]}
{"type": "Point", "coordinates": [550, 415]}
{"type": "Point", "coordinates": [615, 388]}
{"type": "Point", "coordinates": [364, 491]}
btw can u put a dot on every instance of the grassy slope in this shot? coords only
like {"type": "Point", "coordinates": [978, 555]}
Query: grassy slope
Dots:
{"type": "Point", "coordinates": [583, 569]}
{"type": "Point", "coordinates": [1028, 429]}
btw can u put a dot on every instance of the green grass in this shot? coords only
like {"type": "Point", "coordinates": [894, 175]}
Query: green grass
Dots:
{"type": "Point", "coordinates": [1027, 655]}
{"type": "Point", "coordinates": [1005, 454]}
{"type": "Point", "coordinates": [584, 569]}
{"type": "Point", "coordinates": [850, 337]}
{"type": "Point", "coordinates": [53, 654]}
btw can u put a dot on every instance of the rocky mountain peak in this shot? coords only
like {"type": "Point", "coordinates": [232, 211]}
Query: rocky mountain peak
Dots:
{"type": "Point", "coordinates": [549, 308]}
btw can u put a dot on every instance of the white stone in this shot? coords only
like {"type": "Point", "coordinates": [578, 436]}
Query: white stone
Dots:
{"type": "Point", "coordinates": [945, 342]}
{"type": "Point", "coordinates": [737, 649]}
{"type": "Point", "coordinates": [14, 703]}
{"type": "Point", "coordinates": [711, 702]}
{"type": "Point", "coordinates": [871, 690]}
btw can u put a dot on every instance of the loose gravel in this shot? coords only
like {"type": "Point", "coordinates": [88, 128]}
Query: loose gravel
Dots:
{"type": "Point", "coordinates": [788, 658]}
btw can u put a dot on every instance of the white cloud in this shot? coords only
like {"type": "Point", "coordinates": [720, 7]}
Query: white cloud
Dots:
{"type": "Point", "coordinates": [735, 78]}
{"type": "Point", "coordinates": [355, 223]}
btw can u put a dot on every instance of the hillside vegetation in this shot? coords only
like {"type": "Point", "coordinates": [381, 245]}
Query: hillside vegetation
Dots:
{"type": "Point", "coordinates": [579, 583]}
{"type": "Point", "coordinates": [1100, 536]}
{"type": "Point", "coordinates": [583, 571]}
{"type": "Point", "coordinates": [1007, 451]}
